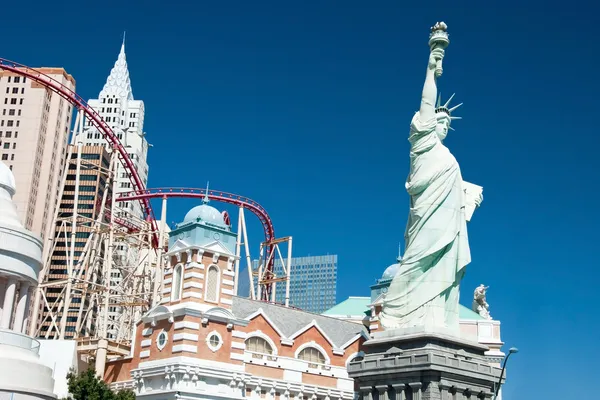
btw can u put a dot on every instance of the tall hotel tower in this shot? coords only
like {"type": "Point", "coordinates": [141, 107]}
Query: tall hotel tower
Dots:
{"type": "Point", "coordinates": [125, 116]}
{"type": "Point", "coordinates": [34, 133]}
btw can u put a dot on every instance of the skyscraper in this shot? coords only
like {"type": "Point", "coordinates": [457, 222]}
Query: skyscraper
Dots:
{"type": "Point", "coordinates": [313, 282]}
{"type": "Point", "coordinates": [125, 116]}
{"type": "Point", "coordinates": [34, 133]}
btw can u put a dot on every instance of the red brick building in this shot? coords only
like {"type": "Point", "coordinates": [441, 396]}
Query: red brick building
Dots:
{"type": "Point", "coordinates": [202, 341]}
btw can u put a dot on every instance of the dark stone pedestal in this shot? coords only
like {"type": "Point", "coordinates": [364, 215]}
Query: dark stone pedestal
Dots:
{"type": "Point", "coordinates": [423, 366]}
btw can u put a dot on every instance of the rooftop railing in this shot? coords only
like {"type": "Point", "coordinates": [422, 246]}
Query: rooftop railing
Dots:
{"type": "Point", "coordinates": [10, 338]}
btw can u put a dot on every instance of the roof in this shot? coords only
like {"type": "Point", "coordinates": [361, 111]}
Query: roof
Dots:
{"type": "Point", "coordinates": [352, 306]}
{"type": "Point", "coordinates": [118, 82]}
{"type": "Point", "coordinates": [290, 321]}
{"type": "Point", "coordinates": [467, 313]}
{"type": "Point", "coordinates": [360, 306]}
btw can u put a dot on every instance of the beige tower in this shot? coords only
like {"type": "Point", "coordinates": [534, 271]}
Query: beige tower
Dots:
{"type": "Point", "coordinates": [34, 132]}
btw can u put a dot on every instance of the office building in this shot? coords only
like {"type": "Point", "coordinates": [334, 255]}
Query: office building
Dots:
{"type": "Point", "coordinates": [312, 282]}
{"type": "Point", "coordinates": [34, 133]}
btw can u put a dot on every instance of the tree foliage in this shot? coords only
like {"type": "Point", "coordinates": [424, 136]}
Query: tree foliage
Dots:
{"type": "Point", "coordinates": [87, 386]}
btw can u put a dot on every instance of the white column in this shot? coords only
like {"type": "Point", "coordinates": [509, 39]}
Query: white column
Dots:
{"type": "Point", "coordinates": [22, 308]}
{"type": "Point", "coordinates": [2, 290]}
{"type": "Point", "coordinates": [9, 299]}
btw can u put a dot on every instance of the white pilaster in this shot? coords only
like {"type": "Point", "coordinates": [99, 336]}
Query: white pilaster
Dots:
{"type": "Point", "coordinates": [22, 308]}
{"type": "Point", "coordinates": [9, 299]}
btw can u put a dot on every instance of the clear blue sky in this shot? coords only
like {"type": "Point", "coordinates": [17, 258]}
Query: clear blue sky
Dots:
{"type": "Point", "coordinates": [305, 107]}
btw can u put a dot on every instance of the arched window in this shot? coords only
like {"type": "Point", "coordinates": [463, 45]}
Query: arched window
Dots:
{"type": "Point", "coordinates": [176, 285]}
{"type": "Point", "coordinates": [211, 292]}
{"type": "Point", "coordinates": [312, 355]}
{"type": "Point", "coordinates": [257, 344]}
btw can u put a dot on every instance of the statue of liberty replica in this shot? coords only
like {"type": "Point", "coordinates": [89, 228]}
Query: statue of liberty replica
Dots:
{"type": "Point", "coordinates": [420, 354]}
{"type": "Point", "coordinates": [425, 291]}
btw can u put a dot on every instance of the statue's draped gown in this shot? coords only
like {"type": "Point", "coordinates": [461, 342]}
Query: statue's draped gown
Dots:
{"type": "Point", "coordinates": [425, 292]}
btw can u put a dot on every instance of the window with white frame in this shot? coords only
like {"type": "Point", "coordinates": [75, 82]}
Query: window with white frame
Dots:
{"type": "Point", "coordinates": [212, 284]}
{"type": "Point", "coordinates": [214, 341]}
{"type": "Point", "coordinates": [176, 285]}
{"type": "Point", "coordinates": [312, 355]}
{"type": "Point", "coordinates": [161, 340]}
{"type": "Point", "coordinates": [257, 344]}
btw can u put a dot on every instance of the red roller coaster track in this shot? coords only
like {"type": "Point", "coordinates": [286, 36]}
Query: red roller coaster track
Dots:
{"type": "Point", "coordinates": [97, 122]}
{"type": "Point", "coordinates": [140, 193]}
{"type": "Point", "coordinates": [216, 195]}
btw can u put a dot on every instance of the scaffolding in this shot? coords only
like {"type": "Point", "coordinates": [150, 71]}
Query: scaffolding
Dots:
{"type": "Point", "coordinates": [110, 260]}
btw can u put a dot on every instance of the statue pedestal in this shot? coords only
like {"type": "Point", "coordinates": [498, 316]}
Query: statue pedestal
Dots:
{"type": "Point", "coordinates": [423, 365]}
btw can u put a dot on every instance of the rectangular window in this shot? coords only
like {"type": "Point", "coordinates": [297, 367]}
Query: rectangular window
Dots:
{"type": "Point", "coordinates": [9, 122]}
{"type": "Point", "coordinates": [15, 90]}
{"type": "Point", "coordinates": [20, 102]}
{"type": "Point", "coordinates": [17, 79]}
{"type": "Point", "coordinates": [5, 157]}
{"type": "Point", "coordinates": [8, 134]}
{"type": "Point", "coordinates": [14, 101]}
{"type": "Point", "coordinates": [11, 111]}
{"type": "Point", "coordinates": [7, 145]}
{"type": "Point", "coordinates": [19, 113]}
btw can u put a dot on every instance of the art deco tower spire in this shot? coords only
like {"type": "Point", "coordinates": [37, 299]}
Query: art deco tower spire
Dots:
{"type": "Point", "coordinates": [118, 82]}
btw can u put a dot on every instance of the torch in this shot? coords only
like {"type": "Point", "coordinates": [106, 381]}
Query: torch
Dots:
{"type": "Point", "coordinates": [438, 39]}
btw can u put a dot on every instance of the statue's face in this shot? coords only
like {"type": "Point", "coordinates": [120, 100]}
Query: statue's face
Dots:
{"type": "Point", "coordinates": [443, 124]}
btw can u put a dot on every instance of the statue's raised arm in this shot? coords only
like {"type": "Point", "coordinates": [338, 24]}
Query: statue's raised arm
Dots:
{"type": "Point", "coordinates": [438, 42]}
{"type": "Point", "coordinates": [427, 110]}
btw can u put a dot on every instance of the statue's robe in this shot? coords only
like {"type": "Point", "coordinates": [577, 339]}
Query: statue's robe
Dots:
{"type": "Point", "coordinates": [425, 292]}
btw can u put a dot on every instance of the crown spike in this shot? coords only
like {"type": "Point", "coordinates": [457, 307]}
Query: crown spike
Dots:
{"type": "Point", "coordinates": [455, 107]}
{"type": "Point", "coordinates": [449, 100]}
{"type": "Point", "coordinates": [451, 128]}
{"type": "Point", "coordinates": [455, 118]}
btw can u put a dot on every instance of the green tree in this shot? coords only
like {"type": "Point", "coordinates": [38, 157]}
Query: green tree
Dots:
{"type": "Point", "coordinates": [87, 386]}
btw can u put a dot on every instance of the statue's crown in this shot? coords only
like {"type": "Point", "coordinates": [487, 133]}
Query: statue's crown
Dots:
{"type": "Point", "coordinates": [445, 108]}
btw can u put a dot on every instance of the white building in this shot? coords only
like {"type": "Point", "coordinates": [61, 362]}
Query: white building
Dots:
{"type": "Point", "coordinates": [22, 375]}
{"type": "Point", "coordinates": [117, 107]}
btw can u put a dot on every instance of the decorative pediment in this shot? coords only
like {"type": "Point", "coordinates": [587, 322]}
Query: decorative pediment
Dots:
{"type": "Point", "coordinates": [262, 313]}
{"type": "Point", "coordinates": [362, 334]}
{"type": "Point", "coordinates": [312, 324]}
{"type": "Point", "coordinates": [393, 352]}
{"type": "Point", "coordinates": [178, 246]}
{"type": "Point", "coordinates": [217, 247]}
{"type": "Point", "coordinates": [219, 312]}
{"type": "Point", "coordinates": [378, 301]}
{"type": "Point", "coordinates": [158, 313]}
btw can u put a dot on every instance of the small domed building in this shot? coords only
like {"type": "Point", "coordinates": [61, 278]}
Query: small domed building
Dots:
{"type": "Point", "coordinates": [22, 375]}
{"type": "Point", "coordinates": [202, 341]}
